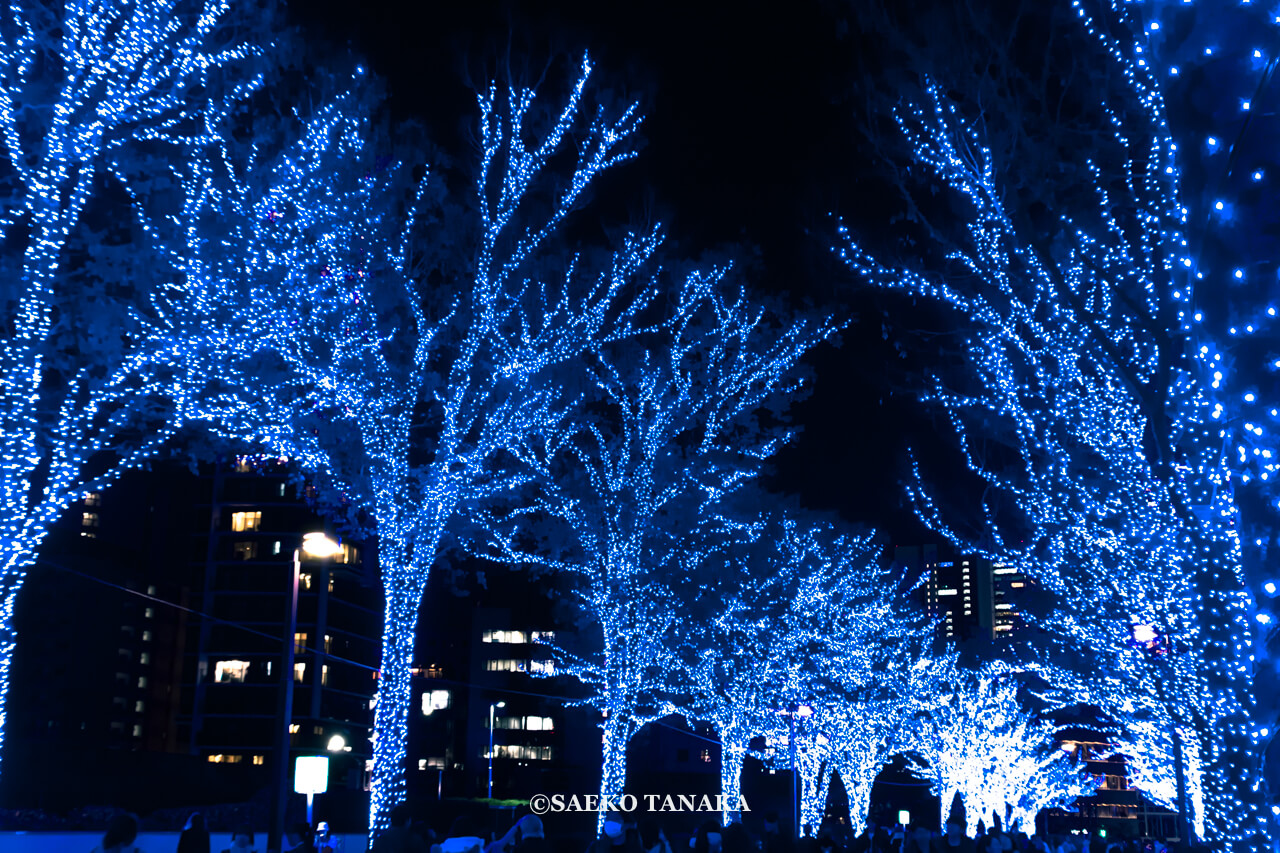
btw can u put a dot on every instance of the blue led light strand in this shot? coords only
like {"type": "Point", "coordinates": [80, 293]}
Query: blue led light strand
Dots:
{"type": "Point", "coordinates": [80, 84]}
{"type": "Point", "coordinates": [1079, 357]}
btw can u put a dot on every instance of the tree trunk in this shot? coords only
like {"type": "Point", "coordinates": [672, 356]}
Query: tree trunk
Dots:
{"type": "Point", "coordinates": [814, 783]}
{"type": "Point", "coordinates": [858, 786]}
{"type": "Point", "coordinates": [403, 587]}
{"type": "Point", "coordinates": [733, 751]}
{"type": "Point", "coordinates": [8, 642]}
{"type": "Point", "coordinates": [618, 730]}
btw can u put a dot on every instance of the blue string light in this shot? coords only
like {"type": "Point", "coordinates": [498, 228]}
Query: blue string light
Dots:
{"type": "Point", "coordinates": [81, 83]}
{"type": "Point", "coordinates": [1081, 354]}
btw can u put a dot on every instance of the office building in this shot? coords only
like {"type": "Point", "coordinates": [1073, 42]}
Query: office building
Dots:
{"type": "Point", "coordinates": [971, 597]}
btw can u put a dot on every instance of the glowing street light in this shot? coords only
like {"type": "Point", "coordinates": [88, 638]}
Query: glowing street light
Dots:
{"type": "Point", "coordinates": [492, 705]}
{"type": "Point", "coordinates": [317, 545]}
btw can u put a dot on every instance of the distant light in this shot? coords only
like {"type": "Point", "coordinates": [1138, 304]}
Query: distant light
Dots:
{"type": "Point", "coordinates": [1257, 54]}
{"type": "Point", "coordinates": [1212, 141]}
{"type": "Point", "coordinates": [1244, 105]}
{"type": "Point", "coordinates": [1249, 398]}
{"type": "Point", "coordinates": [337, 743]}
{"type": "Point", "coordinates": [804, 711]}
{"type": "Point", "coordinates": [1144, 634]}
{"type": "Point", "coordinates": [1155, 25]}
{"type": "Point", "coordinates": [1270, 587]}
{"type": "Point", "coordinates": [1208, 51]}
{"type": "Point", "coordinates": [1263, 618]}
{"type": "Point", "coordinates": [1199, 316]}
{"type": "Point", "coordinates": [1174, 71]}
{"type": "Point", "coordinates": [1239, 273]}
{"type": "Point", "coordinates": [1257, 176]}
{"type": "Point", "coordinates": [1218, 206]}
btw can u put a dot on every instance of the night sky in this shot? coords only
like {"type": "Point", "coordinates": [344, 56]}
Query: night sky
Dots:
{"type": "Point", "coordinates": [749, 143]}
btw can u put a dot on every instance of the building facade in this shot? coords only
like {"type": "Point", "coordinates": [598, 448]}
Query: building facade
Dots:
{"type": "Point", "coordinates": [971, 597]}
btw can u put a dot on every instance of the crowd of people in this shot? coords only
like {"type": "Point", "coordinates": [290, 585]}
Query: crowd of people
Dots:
{"type": "Point", "coordinates": [624, 834]}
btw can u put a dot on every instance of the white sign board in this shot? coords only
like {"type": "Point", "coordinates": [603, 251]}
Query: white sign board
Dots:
{"type": "Point", "coordinates": [311, 774]}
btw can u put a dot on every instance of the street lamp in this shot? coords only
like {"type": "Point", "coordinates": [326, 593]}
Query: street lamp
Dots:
{"type": "Point", "coordinates": [313, 545]}
{"type": "Point", "coordinates": [791, 712]}
{"type": "Point", "coordinates": [492, 705]}
{"type": "Point", "coordinates": [1146, 637]}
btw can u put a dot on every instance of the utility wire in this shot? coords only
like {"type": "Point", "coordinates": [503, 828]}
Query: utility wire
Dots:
{"type": "Point", "coordinates": [503, 690]}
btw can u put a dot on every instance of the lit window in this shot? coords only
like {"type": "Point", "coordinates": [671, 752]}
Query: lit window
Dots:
{"type": "Point", "coordinates": [151, 590]}
{"type": "Point", "coordinates": [275, 547]}
{"type": "Point", "coordinates": [149, 613]}
{"type": "Point", "coordinates": [88, 534]}
{"type": "Point", "coordinates": [422, 764]}
{"type": "Point", "coordinates": [305, 579]}
{"type": "Point", "coordinates": [504, 637]}
{"type": "Point", "coordinates": [318, 730]}
{"type": "Point", "coordinates": [299, 672]}
{"type": "Point", "coordinates": [293, 728]}
{"type": "Point", "coordinates": [142, 681]}
{"type": "Point", "coordinates": [259, 759]}
{"type": "Point", "coordinates": [282, 488]}
{"type": "Point", "coordinates": [137, 731]}
{"type": "Point", "coordinates": [542, 636]}
{"type": "Point", "coordinates": [537, 724]}
{"type": "Point", "coordinates": [88, 519]}
{"type": "Point", "coordinates": [146, 636]}
{"type": "Point", "coordinates": [230, 671]}
{"type": "Point", "coordinates": [324, 675]}
{"type": "Point", "coordinates": [299, 643]}
{"type": "Point", "coordinates": [434, 700]}
{"type": "Point", "coordinates": [245, 550]}
{"type": "Point", "coordinates": [1016, 585]}
{"type": "Point", "coordinates": [544, 667]}
{"type": "Point", "coordinates": [93, 499]}
{"type": "Point", "coordinates": [225, 759]}
{"type": "Point", "coordinates": [328, 644]}
{"type": "Point", "coordinates": [506, 665]}
{"type": "Point", "coordinates": [242, 522]}
{"type": "Point", "coordinates": [138, 706]}
{"type": "Point", "coordinates": [330, 583]}
{"type": "Point", "coordinates": [348, 555]}
{"type": "Point", "coordinates": [144, 658]}
{"type": "Point", "coordinates": [705, 756]}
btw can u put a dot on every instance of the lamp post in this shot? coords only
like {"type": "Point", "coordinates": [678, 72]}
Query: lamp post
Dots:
{"type": "Point", "coordinates": [313, 545]}
{"type": "Point", "coordinates": [492, 705]}
{"type": "Point", "coordinates": [791, 712]}
{"type": "Point", "coordinates": [1148, 638]}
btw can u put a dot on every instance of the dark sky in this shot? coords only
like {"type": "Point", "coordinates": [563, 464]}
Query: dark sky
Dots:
{"type": "Point", "coordinates": [748, 141]}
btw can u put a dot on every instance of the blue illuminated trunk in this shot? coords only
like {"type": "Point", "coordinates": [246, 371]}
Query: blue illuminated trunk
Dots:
{"type": "Point", "coordinates": [858, 787]}
{"type": "Point", "coordinates": [733, 750]}
{"type": "Point", "coordinates": [403, 586]}
{"type": "Point", "coordinates": [618, 731]}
